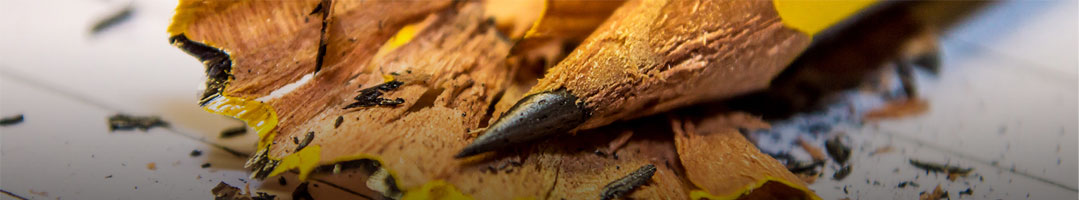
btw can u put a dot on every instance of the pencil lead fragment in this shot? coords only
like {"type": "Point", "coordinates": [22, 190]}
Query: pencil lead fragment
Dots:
{"type": "Point", "coordinates": [623, 186]}
{"type": "Point", "coordinates": [534, 117]}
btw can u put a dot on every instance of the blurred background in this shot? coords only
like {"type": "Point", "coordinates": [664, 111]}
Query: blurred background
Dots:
{"type": "Point", "coordinates": [1004, 103]}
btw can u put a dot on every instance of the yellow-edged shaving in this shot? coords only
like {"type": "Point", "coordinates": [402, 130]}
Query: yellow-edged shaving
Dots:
{"type": "Point", "coordinates": [189, 10]}
{"type": "Point", "coordinates": [701, 194]}
{"type": "Point", "coordinates": [306, 160]}
{"type": "Point", "coordinates": [811, 17]}
{"type": "Point", "coordinates": [533, 31]}
{"type": "Point", "coordinates": [255, 114]}
{"type": "Point", "coordinates": [435, 190]}
{"type": "Point", "coordinates": [402, 37]}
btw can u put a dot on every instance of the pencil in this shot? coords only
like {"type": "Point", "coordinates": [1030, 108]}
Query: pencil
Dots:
{"type": "Point", "coordinates": [652, 56]}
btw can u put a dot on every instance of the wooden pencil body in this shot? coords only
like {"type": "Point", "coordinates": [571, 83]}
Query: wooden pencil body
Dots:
{"type": "Point", "coordinates": [656, 55]}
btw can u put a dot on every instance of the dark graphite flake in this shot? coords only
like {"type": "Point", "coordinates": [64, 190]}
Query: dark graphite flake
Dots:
{"type": "Point", "coordinates": [8, 121]}
{"type": "Point", "coordinates": [842, 173]}
{"type": "Point", "coordinates": [263, 196]}
{"type": "Point", "coordinates": [906, 183]}
{"type": "Point", "coordinates": [127, 122]}
{"type": "Point", "coordinates": [803, 167]}
{"type": "Point", "coordinates": [306, 140]}
{"type": "Point", "coordinates": [218, 65]}
{"type": "Point", "coordinates": [233, 132]}
{"type": "Point", "coordinates": [838, 148]}
{"type": "Point", "coordinates": [119, 17]}
{"type": "Point", "coordinates": [619, 188]}
{"type": "Point", "coordinates": [934, 167]}
{"type": "Point", "coordinates": [967, 192]}
{"type": "Point", "coordinates": [373, 96]}
{"type": "Point", "coordinates": [196, 153]}
{"type": "Point", "coordinates": [301, 192]}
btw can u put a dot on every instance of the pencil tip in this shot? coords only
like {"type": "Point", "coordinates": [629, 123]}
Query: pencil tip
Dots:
{"type": "Point", "coordinates": [534, 117]}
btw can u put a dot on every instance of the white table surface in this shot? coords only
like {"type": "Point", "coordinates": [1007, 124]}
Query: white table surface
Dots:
{"type": "Point", "coordinates": [1007, 95]}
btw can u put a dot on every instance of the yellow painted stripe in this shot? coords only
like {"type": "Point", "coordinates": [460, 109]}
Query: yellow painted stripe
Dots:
{"type": "Point", "coordinates": [403, 36]}
{"type": "Point", "coordinates": [306, 160]}
{"type": "Point", "coordinates": [813, 16]}
{"type": "Point", "coordinates": [437, 189]}
{"type": "Point", "coordinates": [701, 194]}
{"type": "Point", "coordinates": [534, 30]}
{"type": "Point", "coordinates": [256, 114]}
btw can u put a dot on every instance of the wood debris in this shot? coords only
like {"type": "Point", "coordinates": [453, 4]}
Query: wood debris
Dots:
{"type": "Point", "coordinates": [898, 109]}
{"type": "Point", "coordinates": [953, 172]}
{"type": "Point", "coordinates": [882, 150]}
{"type": "Point", "coordinates": [936, 194]}
{"type": "Point", "coordinates": [225, 191]}
{"type": "Point", "coordinates": [812, 149]}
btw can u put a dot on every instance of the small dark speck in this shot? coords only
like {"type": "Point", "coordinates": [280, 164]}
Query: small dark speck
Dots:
{"type": "Point", "coordinates": [8, 121]}
{"type": "Point", "coordinates": [109, 176]}
{"type": "Point", "coordinates": [967, 192]}
{"type": "Point", "coordinates": [196, 153]}
{"type": "Point", "coordinates": [206, 165]}
{"type": "Point", "coordinates": [112, 20]}
{"type": "Point", "coordinates": [600, 153]}
{"type": "Point", "coordinates": [281, 180]}
{"type": "Point", "coordinates": [233, 132]}
{"type": "Point", "coordinates": [819, 128]}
